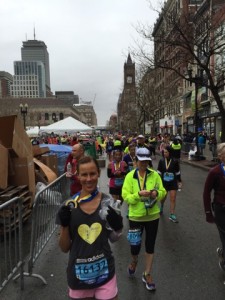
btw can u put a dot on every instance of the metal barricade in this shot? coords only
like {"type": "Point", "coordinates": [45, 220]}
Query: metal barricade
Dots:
{"type": "Point", "coordinates": [46, 204]}
{"type": "Point", "coordinates": [11, 256]}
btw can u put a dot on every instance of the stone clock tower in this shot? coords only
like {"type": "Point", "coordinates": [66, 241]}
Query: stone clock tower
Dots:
{"type": "Point", "coordinates": [127, 106]}
{"type": "Point", "coordinates": [129, 73]}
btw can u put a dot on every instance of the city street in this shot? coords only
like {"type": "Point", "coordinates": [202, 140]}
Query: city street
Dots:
{"type": "Point", "coordinates": [185, 263]}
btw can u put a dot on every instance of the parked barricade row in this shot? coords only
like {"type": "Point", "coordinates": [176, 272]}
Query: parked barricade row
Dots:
{"type": "Point", "coordinates": [11, 256]}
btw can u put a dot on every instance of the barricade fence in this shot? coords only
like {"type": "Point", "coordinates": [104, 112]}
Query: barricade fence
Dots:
{"type": "Point", "coordinates": [11, 254]}
{"type": "Point", "coordinates": [46, 204]}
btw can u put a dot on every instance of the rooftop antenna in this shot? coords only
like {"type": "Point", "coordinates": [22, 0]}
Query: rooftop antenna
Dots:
{"type": "Point", "coordinates": [26, 36]}
{"type": "Point", "coordinates": [34, 33]}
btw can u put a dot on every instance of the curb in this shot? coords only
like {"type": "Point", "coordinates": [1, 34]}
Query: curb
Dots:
{"type": "Point", "coordinates": [196, 165]}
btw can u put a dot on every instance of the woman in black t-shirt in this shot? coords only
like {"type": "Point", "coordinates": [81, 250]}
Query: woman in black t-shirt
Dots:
{"type": "Point", "coordinates": [88, 222]}
{"type": "Point", "coordinates": [169, 170]}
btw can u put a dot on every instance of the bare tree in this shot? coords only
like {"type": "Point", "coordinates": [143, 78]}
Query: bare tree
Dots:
{"type": "Point", "coordinates": [146, 98]}
{"type": "Point", "coordinates": [188, 38]}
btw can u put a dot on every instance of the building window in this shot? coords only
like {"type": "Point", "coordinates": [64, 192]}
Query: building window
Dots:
{"type": "Point", "coordinates": [46, 116]}
{"type": "Point", "coordinates": [54, 117]}
{"type": "Point", "coordinates": [61, 116]}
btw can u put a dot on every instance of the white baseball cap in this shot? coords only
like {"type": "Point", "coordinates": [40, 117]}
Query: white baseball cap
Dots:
{"type": "Point", "coordinates": [143, 154]}
{"type": "Point", "coordinates": [140, 136]}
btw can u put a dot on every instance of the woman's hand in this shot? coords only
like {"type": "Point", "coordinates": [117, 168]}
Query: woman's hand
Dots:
{"type": "Point", "coordinates": [114, 219]}
{"type": "Point", "coordinates": [153, 194]}
{"type": "Point", "coordinates": [144, 193]}
{"type": "Point", "coordinates": [63, 215]}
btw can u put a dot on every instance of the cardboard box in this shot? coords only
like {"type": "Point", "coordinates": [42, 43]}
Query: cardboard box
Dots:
{"type": "Point", "coordinates": [3, 167]}
{"type": "Point", "coordinates": [44, 171]}
{"type": "Point", "coordinates": [23, 173]}
{"type": "Point", "coordinates": [51, 161]}
{"type": "Point", "coordinates": [37, 151]}
{"type": "Point", "coordinates": [14, 137]}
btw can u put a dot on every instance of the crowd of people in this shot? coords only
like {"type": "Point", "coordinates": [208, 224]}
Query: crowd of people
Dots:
{"type": "Point", "coordinates": [90, 220]}
{"type": "Point", "coordinates": [106, 143]}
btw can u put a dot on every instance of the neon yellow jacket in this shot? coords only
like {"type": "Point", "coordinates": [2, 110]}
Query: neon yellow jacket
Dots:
{"type": "Point", "coordinates": [126, 151]}
{"type": "Point", "coordinates": [130, 191]}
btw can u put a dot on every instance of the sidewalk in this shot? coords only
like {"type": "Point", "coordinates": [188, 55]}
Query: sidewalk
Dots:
{"type": "Point", "coordinates": [206, 164]}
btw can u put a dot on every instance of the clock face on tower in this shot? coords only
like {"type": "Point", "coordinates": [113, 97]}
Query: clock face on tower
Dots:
{"type": "Point", "coordinates": [129, 79]}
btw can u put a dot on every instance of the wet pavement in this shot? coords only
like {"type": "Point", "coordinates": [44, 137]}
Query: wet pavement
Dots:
{"type": "Point", "coordinates": [185, 263]}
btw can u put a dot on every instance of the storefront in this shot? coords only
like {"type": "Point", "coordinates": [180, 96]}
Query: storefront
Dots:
{"type": "Point", "coordinates": [167, 125]}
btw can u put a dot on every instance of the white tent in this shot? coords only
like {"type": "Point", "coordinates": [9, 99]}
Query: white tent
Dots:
{"type": "Point", "coordinates": [33, 131]}
{"type": "Point", "coordinates": [69, 125]}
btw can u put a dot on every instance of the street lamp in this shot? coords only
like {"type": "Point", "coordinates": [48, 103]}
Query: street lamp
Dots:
{"type": "Point", "coordinates": [23, 111]}
{"type": "Point", "coordinates": [197, 80]}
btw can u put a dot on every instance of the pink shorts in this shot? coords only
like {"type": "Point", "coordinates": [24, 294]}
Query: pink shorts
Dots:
{"type": "Point", "coordinates": [104, 292]}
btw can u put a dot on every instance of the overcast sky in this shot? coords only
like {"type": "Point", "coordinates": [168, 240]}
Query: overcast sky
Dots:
{"type": "Point", "coordinates": [88, 42]}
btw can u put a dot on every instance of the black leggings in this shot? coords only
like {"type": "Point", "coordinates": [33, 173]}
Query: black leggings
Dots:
{"type": "Point", "coordinates": [151, 229]}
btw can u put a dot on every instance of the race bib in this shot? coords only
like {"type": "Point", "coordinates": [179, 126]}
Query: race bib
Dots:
{"type": "Point", "coordinates": [168, 176]}
{"type": "Point", "coordinates": [134, 237]}
{"type": "Point", "coordinates": [119, 182]}
{"type": "Point", "coordinates": [92, 272]}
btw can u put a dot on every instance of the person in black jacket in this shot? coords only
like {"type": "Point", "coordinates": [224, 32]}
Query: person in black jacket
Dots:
{"type": "Point", "coordinates": [169, 170]}
{"type": "Point", "coordinates": [176, 149]}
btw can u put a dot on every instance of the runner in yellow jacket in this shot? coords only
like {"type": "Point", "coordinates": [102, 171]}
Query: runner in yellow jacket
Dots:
{"type": "Point", "coordinates": [142, 190]}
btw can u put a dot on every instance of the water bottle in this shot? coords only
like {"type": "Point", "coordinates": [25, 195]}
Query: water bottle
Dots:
{"type": "Point", "coordinates": [115, 204]}
{"type": "Point", "coordinates": [69, 169]}
{"type": "Point", "coordinates": [103, 212]}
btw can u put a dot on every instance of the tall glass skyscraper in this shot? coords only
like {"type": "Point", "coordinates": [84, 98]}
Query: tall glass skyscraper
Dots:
{"type": "Point", "coordinates": [34, 50]}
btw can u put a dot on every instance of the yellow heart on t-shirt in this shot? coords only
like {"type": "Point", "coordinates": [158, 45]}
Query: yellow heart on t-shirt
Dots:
{"type": "Point", "coordinates": [89, 234]}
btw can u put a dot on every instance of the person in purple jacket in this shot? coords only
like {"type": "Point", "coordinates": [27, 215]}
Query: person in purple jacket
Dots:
{"type": "Point", "coordinates": [215, 207]}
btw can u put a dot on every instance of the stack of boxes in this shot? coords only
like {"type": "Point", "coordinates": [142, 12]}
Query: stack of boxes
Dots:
{"type": "Point", "coordinates": [21, 163]}
{"type": "Point", "coordinates": [17, 167]}
{"type": "Point", "coordinates": [17, 175]}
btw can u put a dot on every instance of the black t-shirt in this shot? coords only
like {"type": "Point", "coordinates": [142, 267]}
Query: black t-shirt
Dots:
{"type": "Point", "coordinates": [170, 173]}
{"type": "Point", "coordinates": [91, 263]}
